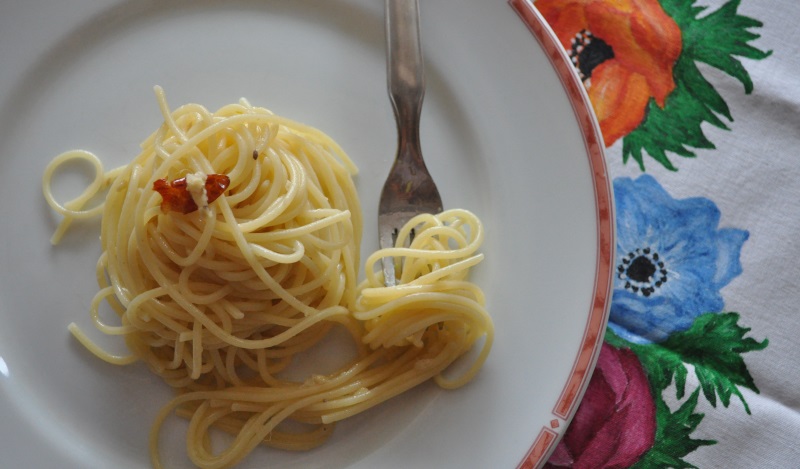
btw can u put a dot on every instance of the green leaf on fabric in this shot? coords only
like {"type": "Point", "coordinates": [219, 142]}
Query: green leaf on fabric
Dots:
{"type": "Point", "coordinates": [673, 435]}
{"type": "Point", "coordinates": [661, 365]}
{"type": "Point", "coordinates": [713, 346]}
{"type": "Point", "coordinates": [677, 127]}
{"type": "Point", "coordinates": [716, 39]}
{"type": "Point", "coordinates": [720, 36]}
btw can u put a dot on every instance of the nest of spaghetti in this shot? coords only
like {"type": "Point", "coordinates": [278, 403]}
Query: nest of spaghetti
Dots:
{"type": "Point", "coordinates": [218, 292]}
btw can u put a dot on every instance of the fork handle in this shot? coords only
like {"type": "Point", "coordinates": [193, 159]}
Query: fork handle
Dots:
{"type": "Point", "coordinates": [405, 72]}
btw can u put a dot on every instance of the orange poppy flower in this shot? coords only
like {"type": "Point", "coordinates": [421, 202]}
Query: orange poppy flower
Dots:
{"type": "Point", "coordinates": [624, 51]}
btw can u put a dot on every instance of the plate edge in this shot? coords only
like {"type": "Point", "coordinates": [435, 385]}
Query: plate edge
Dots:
{"type": "Point", "coordinates": [594, 332]}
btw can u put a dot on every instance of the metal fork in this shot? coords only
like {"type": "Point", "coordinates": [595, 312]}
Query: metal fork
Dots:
{"type": "Point", "coordinates": [409, 190]}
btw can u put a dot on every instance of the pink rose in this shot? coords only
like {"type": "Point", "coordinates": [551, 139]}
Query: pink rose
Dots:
{"type": "Point", "coordinates": [616, 421]}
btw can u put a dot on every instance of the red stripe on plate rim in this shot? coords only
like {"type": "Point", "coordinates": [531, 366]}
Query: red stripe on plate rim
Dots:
{"type": "Point", "coordinates": [540, 447]}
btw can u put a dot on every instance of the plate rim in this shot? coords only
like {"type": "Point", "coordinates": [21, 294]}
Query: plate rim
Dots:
{"type": "Point", "coordinates": [594, 332]}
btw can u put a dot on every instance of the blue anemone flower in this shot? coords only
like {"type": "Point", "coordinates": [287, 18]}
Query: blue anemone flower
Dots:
{"type": "Point", "coordinates": [671, 261]}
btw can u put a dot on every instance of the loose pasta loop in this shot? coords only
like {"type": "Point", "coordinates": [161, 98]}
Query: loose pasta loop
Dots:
{"type": "Point", "coordinates": [73, 209]}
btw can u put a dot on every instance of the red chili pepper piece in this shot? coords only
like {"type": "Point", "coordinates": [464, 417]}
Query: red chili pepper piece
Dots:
{"type": "Point", "coordinates": [176, 195]}
{"type": "Point", "coordinates": [216, 185]}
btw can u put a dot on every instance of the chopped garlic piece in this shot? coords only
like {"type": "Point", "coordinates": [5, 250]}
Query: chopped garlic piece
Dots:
{"type": "Point", "coordinates": [196, 185]}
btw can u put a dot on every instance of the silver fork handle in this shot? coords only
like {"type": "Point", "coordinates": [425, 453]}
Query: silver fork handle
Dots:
{"type": "Point", "coordinates": [405, 72]}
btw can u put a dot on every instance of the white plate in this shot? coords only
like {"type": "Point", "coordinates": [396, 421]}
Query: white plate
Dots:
{"type": "Point", "coordinates": [507, 134]}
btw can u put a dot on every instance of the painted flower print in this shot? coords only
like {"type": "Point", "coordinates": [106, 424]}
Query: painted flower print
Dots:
{"type": "Point", "coordinates": [672, 260]}
{"type": "Point", "coordinates": [670, 342]}
{"type": "Point", "coordinates": [616, 422]}
{"type": "Point", "coordinates": [625, 51]}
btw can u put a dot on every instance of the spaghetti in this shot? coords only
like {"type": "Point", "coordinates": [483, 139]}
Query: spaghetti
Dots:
{"type": "Point", "coordinates": [217, 293]}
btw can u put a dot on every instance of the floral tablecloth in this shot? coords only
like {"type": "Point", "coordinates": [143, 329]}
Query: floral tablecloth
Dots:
{"type": "Point", "coordinates": [699, 105]}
